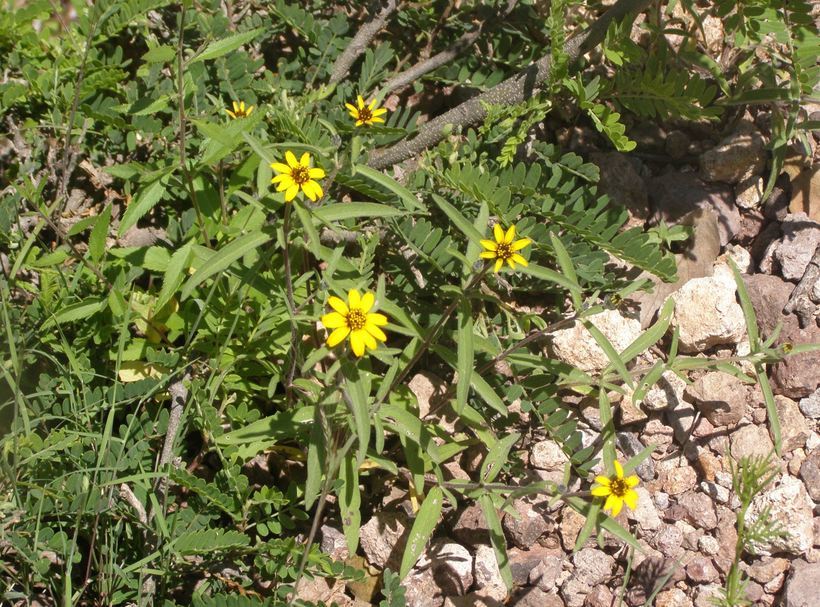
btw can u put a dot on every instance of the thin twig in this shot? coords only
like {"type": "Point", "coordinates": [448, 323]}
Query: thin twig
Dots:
{"type": "Point", "coordinates": [179, 395]}
{"type": "Point", "coordinates": [360, 41]}
{"type": "Point", "coordinates": [514, 90]}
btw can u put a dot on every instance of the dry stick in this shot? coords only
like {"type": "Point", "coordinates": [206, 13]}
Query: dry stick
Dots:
{"type": "Point", "coordinates": [179, 394]}
{"type": "Point", "coordinates": [799, 302]}
{"type": "Point", "coordinates": [418, 70]}
{"type": "Point", "coordinates": [360, 41]}
{"type": "Point", "coordinates": [510, 92]}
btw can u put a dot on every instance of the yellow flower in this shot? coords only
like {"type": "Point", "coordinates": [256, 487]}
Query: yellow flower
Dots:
{"type": "Point", "coordinates": [504, 248]}
{"type": "Point", "coordinates": [297, 175]}
{"type": "Point", "coordinates": [365, 113]}
{"type": "Point", "coordinates": [617, 490]}
{"type": "Point", "coordinates": [239, 110]}
{"type": "Point", "coordinates": [354, 319]}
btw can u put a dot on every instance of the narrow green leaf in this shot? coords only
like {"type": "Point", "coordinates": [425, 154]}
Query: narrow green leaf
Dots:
{"type": "Point", "coordinates": [466, 353]}
{"type": "Point", "coordinates": [175, 273]}
{"type": "Point", "coordinates": [607, 429]}
{"type": "Point", "coordinates": [357, 402]}
{"type": "Point", "coordinates": [589, 526]}
{"type": "Point", "coordinates": [355, 210]}
{"type": "Point", "coordinates": [406, 196]}
{"type": "Point", "coordinates": [464, 225]}
{"type": "Point", "coordinates": [542, 273]}
{"type": "Point", "coordinates": [274, 428]}
{"type": "Point", "coordinates": [144, 201]}
{"type": "Point", "coordinates": [497, 538]}
{"type": "Point", "coordinates": [77, 311]}
{"type": "Point", "coordinates": [771, 408]}
{"type": "Point", "coordinates": [350, 502]}
{"type": "Point", "coordinates": [565, 263]}
{"type": "Point", "coordinates": [223, 259]}
{"type": "Point", "coordinates": [496, 457]}
{"type": "Point", "coordinates": [218, 48]}
{"type": "Point", "coordinates": [651, 336]}
{"type": "Point", "coordinates": [96, 241]}
{"type": "Point", "coordinates": [747, 307]}
{"type": "Point", "coordinates": [422, 530]}
{"type": "Point", "coordinates": [315, 460]}
{"type": "Point", "coordinates": [610, 351]}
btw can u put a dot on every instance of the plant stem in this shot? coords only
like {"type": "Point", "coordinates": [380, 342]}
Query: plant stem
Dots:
{"type": "Point", "coordinates": [294, 336]}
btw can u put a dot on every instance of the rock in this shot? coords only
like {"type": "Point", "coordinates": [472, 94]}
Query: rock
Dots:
{"type": "Point", "coordinates": [707, 314]}
{"type": "Point", "coordinates": [750, 440]}
{"type": "Point", "coordinates": [801, 589]}
{"type": "Point", "coordinates": [810, 473]}
{"type": "Point", "coordinates": [487, 575]}
{"type": "Point", "coordinates": [767, 569]}
{"type": "Point", "coordinates": [646, 514]}
{"type": "Point", "coordinates": [470, 527]}
{"type": "Point", "coordinates": [322, 589]}
{"type": "Point", "coordinates": [806, 193]}
{"type": "Point", "coordinates": [749, 192]}
{"type": "Point", "coordinates": [428, 389]}
{"type": "Point", "coordinates": [522, 562]}
{"type": "Point", "coordinates": [631, 445]}
{"type": "Point", "coordinates": [720, 397]}
{"type": "Point", "coordinates": [708, 545]}
{"type": "Point", "coordinates": [571, 524]}
{"type": "Point", "coordinates": [545, 574]}
{"type": "Point", "coordinates": [547, 455]}
{"type": "Point", "coordinates": [674, 597]}
{"type": "Point", "coordinates": [701, 570]}
{"type": "Point", "coordinates": [680, 479]}
{"type": "Point", "coordinates": [790, 508]}
{"type": "Point", "coordinates": [800, 238]}
{"type": "Point", "coordinates": [621, 182]}
{"type": "Point", "coordinates": [705, 596]}
{"type": "Point", "coordinates": [810, 406]}
{"type": "Point", "coordinates": [421, 589]}
{"type": "Point", "coordinates": [383, 538]}
{"type": "Point", "coordinates": [669, 541]}
{"type": "Point", "coordinates": [334, 543]}
{"type": "Point", "coordinates": [600, 596]}
{"type": "Point", "coordinates": [793, 427]}
{"type": "Point", "coordinates": [574, 592]}
{"type": "Point", "coordinates": [592, 566]}
{"type": "Point", "coordinates": [677, 144]}
{"type": "Point", "coordinates": [736, 157]}
{"type": "Point", "coordinates": [716, 492]}
{"type": "Point", "coordinates": [666, 394]}
{"type": "Point", "coordinates": [535, 597]}
{"type": "Point", "coordinates": [576, 346]}
{"type": "Point", "coordinates": [769, 295]}
{"type": "Point", "coordinates": [530, 525]}
{"type": "Point", "coordinates": [452, 567]}
{"type": "Point", "coordinates": [699, 510]}
{"type": "Point", "coordinates": [674, 195]}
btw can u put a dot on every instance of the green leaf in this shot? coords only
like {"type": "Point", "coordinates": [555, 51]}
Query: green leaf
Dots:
{"type": "Point", "coordinates": [651, 336]}
{"type": "Point", "coordinates": [218, 48]}
{"type": "Point", "coordinates": [223, 258]}
{"type": "Point", "coordinates": [357, 402]}
{"type": "Point", "coordinates": [315, 458]}
{"type": "Point", "coordinates": [464, 225]}
{"type": "Point", "coordinates": [275, 428]}
{"type": "Point", "coordinates": [497, 538]}
{"type": "Point", "coordinates": [747, 307]}
{"type": "Point", "coordinates": [496, 457]}
{"type": "Point", "coordinates": [355, 210]}
{"type": "Point", "coordinates": [175, 273]}
{"type": "Point", "coordinates": [422, 530]}
{"type": "Point", "coordinates": [77, 311]}
{"type": "Point", "coordinates": [96, 241]}
{"type": "Point", "coordinates": [405, 195]}
{"type": "Point", "coordinates": [144, 201]}
{"type": "Point", "coordinates": [466, 353]}
{"type": "Point", "coordinates": [771, 408]}
{"type": "Point", "coordinates": [550, 275]}
{"type": "Point", "coordinates": [160, 54]}
{"type": "Point", "coordinates": [565, 263]}
{"type": "Point", "coordinates": [209, 540]}
{"type": "Point", "coordinates": [612, 354]}
{"type": "Point", "coordinates": [350, 501]}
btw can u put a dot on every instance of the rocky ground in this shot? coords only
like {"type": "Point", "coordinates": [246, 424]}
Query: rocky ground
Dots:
{"type": "Point", "coordinates": [687, 510]}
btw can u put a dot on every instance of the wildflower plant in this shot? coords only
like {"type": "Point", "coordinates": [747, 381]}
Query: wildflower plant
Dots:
{"type": "Point", "coordinates": [184, 387]}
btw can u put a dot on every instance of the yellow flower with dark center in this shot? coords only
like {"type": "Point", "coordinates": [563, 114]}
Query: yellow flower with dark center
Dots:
{"type": "Point", "coordinates": [504, 248]}
{"type": "Point", "coordinates": [297, 175]}
{"type": "Point", "coordinates": [354, 319]}
{"type": "Point", "coordinates": [239, 110]}
{"type": "Point", "coordinates": [365, 113]}
{"type": "Point", "coordinates": [617, 490]}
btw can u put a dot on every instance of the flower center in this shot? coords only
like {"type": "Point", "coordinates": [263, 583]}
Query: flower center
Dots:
{"type": "Point", "coordinates": [300, 175]}
{"type": "Point", "coordinates": [356, 319]}
{"type": "Point", "coordinates": [503, 251]}
{"type": "Point", "coordinates": [365, 114]}
{"type": "Point", "coordinates": [619, 487]}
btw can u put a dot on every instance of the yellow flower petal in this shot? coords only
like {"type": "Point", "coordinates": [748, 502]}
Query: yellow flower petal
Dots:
{"type": "Point", "coordinates": [338, 304]}
{"type": "Point", "coordinates": [375, 331]}
{"type": "Point", "coordinates": [379, 111]}
{"type": "Point", "coordinates": [285, 184]}
{"type": "Point", "coordinates": [498, 232]}
{"type": "Point", "coordinates": [352, 109]}
{"type": "Point", "coordinates": [368, 299]}
{"type": "Point", "coordinates": [508, 238]}
{"type": "Point", "coordinates": [632, 481]}
{"type": "Point", "coordinates": [518, 259]}
{"type": "Point", "coordinates": [357, 342]}
{"type": "Point", "coordinates": [369, 340]}
{"type": "Point", "coordinates": [511, 263]}
{"type": "Point", "coordinates": [354, 299]}
{"type": "Point", "coordinates": [360, 100]}
{"type": "Point", "coordinates": [279, 178]}
{"type": "Point", "coordinates": [338, 336]}
{"type": "Point", "coordinates": [230, 113]}
{"type": "Point", "coordinates": [305, 160]}
{"type": "Point", "coordinates": [249, 110]}
{"type": "Point", "coordinates": [371, 105]}
{"type": "Point", "coordinates": [316, 173]}
{"type": "Point", "coordinates": [520, 244]}
{"type": "Point", "coordinates": [242, 106]}
{"type": "Point", "coordinates": [377, 319]}
{"type": "Point", "coordinates": [236, 107]}
{"type": "Point", "coordinates": [359, 122]}
{"type": "Point", "coordinates": [616, 506]}
{"type": "Point", "coordinates": [334, 320]}
{"type": "Point", "coordinates": [280, 168]}
{"type": "Point", "coordinates": [619, 470]}
{"type": "Point", "coordinates": [490, 245]}
{"type": "Point", "coordinates": [291, 160]}
{"type": "Point", "coordinates": [376, 119]}
{"type": "Point", "coordinates": [631, 499]}
{"type": "Point", "coordinates": [600, 491]}
{"type": "Point", "coordinates": [498, 264]}
{"type": "Point", "coordinates": [488, 255]}
{"type": "Point", "coordinates": [603, 480]}
{"type": "Point", "coordinates": [309, 188]}
{"type": "Point", "coordinates": [291, 192]}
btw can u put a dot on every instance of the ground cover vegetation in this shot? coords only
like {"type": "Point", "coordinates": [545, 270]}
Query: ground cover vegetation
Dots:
{"type": "Point", "coordinates": [234, 234]}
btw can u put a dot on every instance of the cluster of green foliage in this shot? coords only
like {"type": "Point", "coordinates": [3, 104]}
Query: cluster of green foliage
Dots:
{"type": "Point", "coordinates": [185, 270]}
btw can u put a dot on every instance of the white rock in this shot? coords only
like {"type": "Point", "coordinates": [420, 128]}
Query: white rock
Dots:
{"type": "Point", "coordinates": [547, 455]}
{"type": "Point", "coordinates": [749, 192]}
{"type": "Point", "coordinates": [592, 566]}
{"type": "Point", "coordinates": [791, 507]}
{"type": "Point", "coordinates": [576, 346]}
{"type": "Point", "coordinates": [645, 514]}
{"type": "Point", "coordinates": [666, 394]}
{"type": "Point", "coordinates": [707, 313]}
{"type": "Point", "coordinates": [708, 545]}
{"type": "Point", "coordinates": [487, 575]}
{"type": "Point", "coordinates": [383, 535]}
{"type": "Point", "coordinates": [810, 406]}
{"type": "Point", "coordinates": [801, 236]}
{"type": "Point", "coordinates": [453, 563]}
